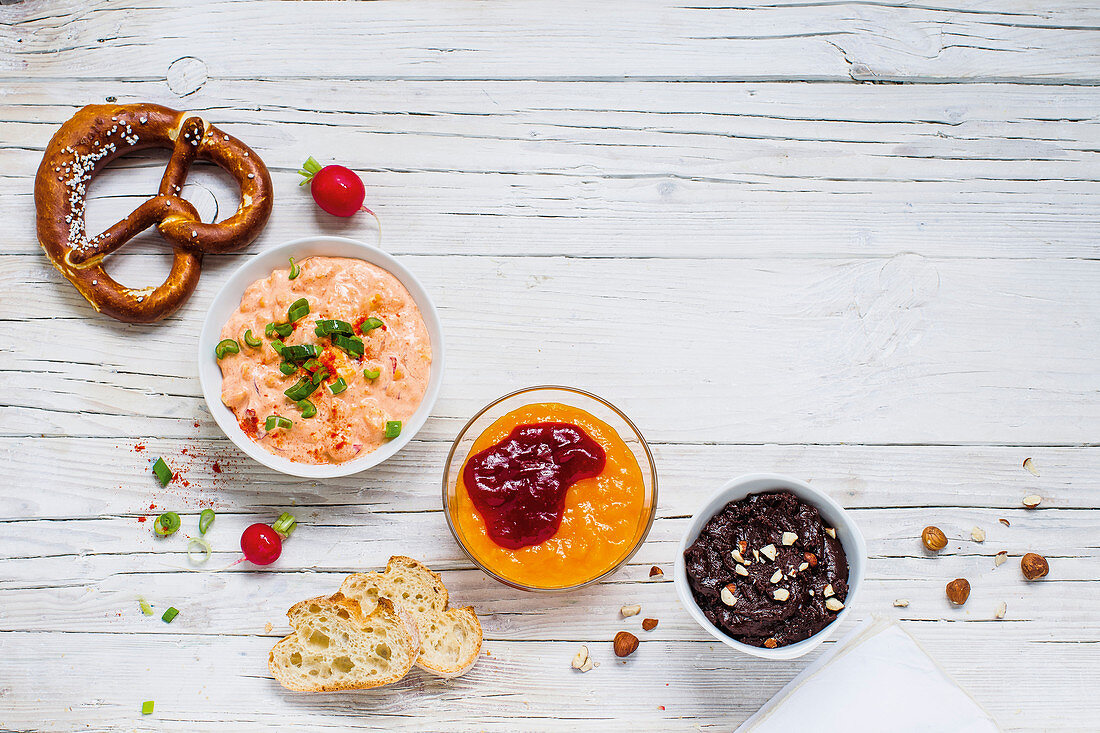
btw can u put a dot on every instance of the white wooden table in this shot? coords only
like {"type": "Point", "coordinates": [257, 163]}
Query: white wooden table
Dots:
{"type": "Point", "coordinates": [855, 242]}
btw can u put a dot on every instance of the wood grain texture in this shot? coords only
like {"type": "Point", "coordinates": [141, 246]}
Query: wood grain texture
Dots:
{"type": "Point", "coordinates": [852, 241]}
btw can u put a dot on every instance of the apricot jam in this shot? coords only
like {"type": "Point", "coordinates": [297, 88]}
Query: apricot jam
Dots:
{"type": "Point", "coordinates": [570, 519]}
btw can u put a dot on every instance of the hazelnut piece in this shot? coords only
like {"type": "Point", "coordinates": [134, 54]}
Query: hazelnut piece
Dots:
{"type": "Point", "coordinates": [811, 559]}
{"type": "Point", "coordinates": [728, 597]}
{"type": "Point", "coordinates": [933, 538]}
{"type": "Point", "coordinates": [958, 590]}
{"type": "Point", "coordinates": [771, 643]}
{"type": "Point", "coordinates": [649, 624]}
{"type": "Point", "coordinates": [1031, 501]}
{"type": "Point", "coordinates": [656, 572]}
{"type": "Point", "coordinates": [625, 644]}
{"type": "Point", "coordinates": [1034, 566]}
{"type": "Point", "coordinates": [628, 611]}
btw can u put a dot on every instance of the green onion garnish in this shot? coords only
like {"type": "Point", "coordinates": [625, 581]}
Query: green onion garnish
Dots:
{"type": "Point", "coordinates": [285, 524]}
{"type": "Point", "coordinates": [351, 344]}
{"type": "Point", "coordinates": [164, 474]}
{"type": "Point", "coordinates": [202, 545]}
{"type": "Point", "coordinates": [312, 365]}
{"type": "Point", "coordinates": [331, 326]}
{"type": "Point", "coordinates": [338, 386]}
{"type": "Point", "coordinates": [287, 368]}
{"type": "Point", "coordinates": [294, 270]}
{"type": "Point", "coordinates": [166, 524]}
{"type": "Point", "coordinates": [275, 422]}
{"type": "Point", "coordinates": [147, 707]}
{"type": "Point", "coordinates": [393, 428]}
{"type": "Point", "coordinates": [298, 310]}
{"type": "Point", "coordinates": [372, 373]}
{"type": "Point", "coordinates": [170, 614]}
{"type": "Point", "coordinates": [226, 347]}
{"type": "Point", "coordinates": [302, 388]}
{"type": "Point", "coordinates": [145, 607]}
{"type": "Point", "coordinates": [300, 352]}
{"type": "Point", "coordinates": [269, 330]}
{"type": "Point", "coordinates": [284, 329]}
{"type": "Point", "coordinates": [251, 340]}
{"type": "Point", "coordinates": [279, 346]}
{"type": "Point", "coordinates": [320, 375]}
{"type": "Point", "coordinates": [369, 325]}
{"type": "Point", "coordinates": [308, 408]}
{"type": "Point", "coordinates": [206, 518]}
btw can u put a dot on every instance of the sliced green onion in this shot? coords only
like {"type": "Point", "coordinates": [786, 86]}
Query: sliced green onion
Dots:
{"type": "Point", "coordinates": [284, 329]}
{"type": "Point", "coordinates": [312, 365]}
{"type": "Point", "coordinates": [319, 376]}
{"type": "Point", "coordinates": [276, 422]}
{"type": "Point", "coordinates": [294, 270]}
{"type": "Point", "coordinates": [170, 614]}
{"type": "Point", "coordinates": [202, 545]}
{"type": "Point", "coordinates": [298, 310]}
{"type": "Point", "coordinates": [167, 524]}
{"type": "Point", "coordinates": [308, 408]}
{"type": "Point", "coordinates": [369, 325]}
{"type": "Point", "coordinates": [393, 428]}
{"type": "Point", "coordinates": [338, 386]}
{"type": "Point", "coordinates": [287, 368]}
{"type": "Point", "coordinates": [318, 332]}
{"type": "Point", "coordinates": [279, 346]}
{"type": "Point", "coordinates": [145, 607]}
{"type": "Point", "coordinates": [351, 344]}
{"type": "Point", "coordinates": [332, 325]}
{"type": "Point", "coordinates": [251, 340]}
{"type": "Point", "coordinates": [300, 352]}
{"type": "Point", "coordinates": [269, 330]}
{"type": "Point", "coordinates": [285, 524]}
{"type": "Point", "coordinates": [226, 347]}
{"type": "Point", "coordinates": [206, 518]}
{"type": "Point", "coordinates": [302, 388]}
{"type": "Point", "coordinates": [147, 707]}
{"type": "Point", "coordinates": [372, 373]}
{"type": "Point", "coordinates": [164, 474]}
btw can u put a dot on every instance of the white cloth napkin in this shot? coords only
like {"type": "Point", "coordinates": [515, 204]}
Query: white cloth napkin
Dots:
{"type": "Point", "coordinates": [875, 679]}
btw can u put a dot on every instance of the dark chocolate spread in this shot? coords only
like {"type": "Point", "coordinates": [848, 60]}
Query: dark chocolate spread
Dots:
{"type": "Point", "coordinates": [813, 566]}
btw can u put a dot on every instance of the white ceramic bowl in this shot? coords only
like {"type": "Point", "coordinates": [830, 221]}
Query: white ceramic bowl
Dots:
{"type": "Point", "coordinates": [228, 300]}
{"type": "Point", "coordinates": [851, 539]}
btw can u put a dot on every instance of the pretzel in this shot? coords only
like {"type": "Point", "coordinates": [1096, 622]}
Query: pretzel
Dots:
{"type": "Point", "coordinates": [98, 134]}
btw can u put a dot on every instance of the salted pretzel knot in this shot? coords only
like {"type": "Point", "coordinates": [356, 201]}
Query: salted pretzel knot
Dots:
{"type": "Point", "coordinates": [98, 134]}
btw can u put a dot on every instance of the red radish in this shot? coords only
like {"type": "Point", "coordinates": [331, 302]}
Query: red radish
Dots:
{"type": "Point", "coordinates": [336, 189]}
{"type": "Point", "coordinates": [261, 544]}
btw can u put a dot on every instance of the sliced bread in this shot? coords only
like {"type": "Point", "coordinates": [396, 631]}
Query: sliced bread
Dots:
{"type": "Point", "coordinates": [450, 638]}
{"type": "Point", "coordinates": [336, 646]}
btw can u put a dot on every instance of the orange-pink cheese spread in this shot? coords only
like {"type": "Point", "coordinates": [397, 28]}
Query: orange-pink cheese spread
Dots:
{"type": "Point", "coordinates": [353, 422]}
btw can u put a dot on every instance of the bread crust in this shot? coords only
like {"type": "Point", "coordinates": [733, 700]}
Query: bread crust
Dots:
{"type": "Point", "coordinates": [92, 138]}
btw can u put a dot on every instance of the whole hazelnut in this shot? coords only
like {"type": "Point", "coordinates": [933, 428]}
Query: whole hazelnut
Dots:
{"type": "Point", "coordinates": [958, 590]}
{"type": "Point", "coordinates": [1034, 566]}
{"type": "Point", "coordinates": [933, 538]}
{"type": "Point", "coordinates": [625, 644]}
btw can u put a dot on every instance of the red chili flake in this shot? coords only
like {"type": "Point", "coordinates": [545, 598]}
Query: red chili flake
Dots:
{"type": "Point", "coordinates": [141, 519]}
{"type": "Point", "coordinates": [217, 468]}
{"type": "Point", "coordinates": [139, 447]}
{"type": "Point", "coordinates": [196, 425]}
{"type": "Point", "coordinates": [660, 707]}
{"type": "Point", "coordinates": [183, 451]}
{"type": "Point", "coordinates": [250, 424]}
{"type": "Point", "coordinates": [152, 507]}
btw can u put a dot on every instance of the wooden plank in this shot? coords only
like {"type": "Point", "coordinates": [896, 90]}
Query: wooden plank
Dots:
{"type": "Point", "coordinates": [849, 41]}
{"type": "Point", "coordinates": [913, 349]}
{"type": "Point", "coordinates": [530, 684]}
{"type": "Point", "coordinates": [92, 477]}
{"type": "Point", "coordinates": [634, 169]}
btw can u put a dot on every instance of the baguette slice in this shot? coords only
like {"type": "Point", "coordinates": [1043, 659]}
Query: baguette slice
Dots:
{"type": "Point", "coordinates": [450, 638]}
{"type": "Point", "coordinates": [335, 646]}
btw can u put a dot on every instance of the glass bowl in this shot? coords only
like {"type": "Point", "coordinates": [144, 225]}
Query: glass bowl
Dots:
{"type": "Point", "coordinates": [597, 407]}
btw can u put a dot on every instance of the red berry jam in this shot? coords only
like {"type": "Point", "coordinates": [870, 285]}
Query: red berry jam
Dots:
{"type": "Point", "coordinates": [519, 484]}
